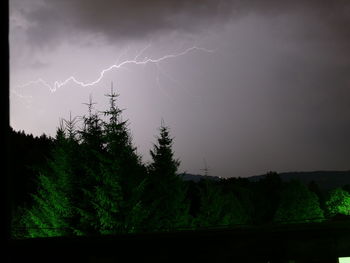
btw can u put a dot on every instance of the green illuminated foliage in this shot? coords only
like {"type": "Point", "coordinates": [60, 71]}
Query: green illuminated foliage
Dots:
{"type": "Point", "coordinates": [218, 208]}
{"type": "Point", "coordinates": [93, 184]}
{"type": "Point", "coordinates": [338, 202]}
{"type": "Point", "coordinates": [298, 205]}
{"type": "Point", "coordinates": [115, 185]}
{"type": "Point", "coordinates": [52, 210]}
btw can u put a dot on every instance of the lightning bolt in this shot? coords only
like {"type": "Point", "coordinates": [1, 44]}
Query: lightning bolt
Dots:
{"type": "Point", "coordinates": [18, 94]}
{"type": "Point", "coordinates": [135, 61]}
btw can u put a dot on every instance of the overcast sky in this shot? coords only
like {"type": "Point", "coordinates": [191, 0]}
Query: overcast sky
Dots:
{"type": "Point", "coordinates": [269, 88]}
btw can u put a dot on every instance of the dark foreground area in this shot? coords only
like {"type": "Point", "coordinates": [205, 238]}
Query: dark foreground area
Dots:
{"type": "Point", "coordinates": [317, 242]}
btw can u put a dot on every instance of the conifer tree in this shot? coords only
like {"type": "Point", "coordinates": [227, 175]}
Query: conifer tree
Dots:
{"type": "Point", "coordinates": [167, 193]}
{"type": "Point", "coordinates": [113, 191]}
{"type": "Point", "coordinates": [128, 173]}
{"type": "Point", "coordinates": [119, 144]}
{"type": "Point", "coordinates": [52, 211]}
{"type": "Point", "coordinates": [91, 152]}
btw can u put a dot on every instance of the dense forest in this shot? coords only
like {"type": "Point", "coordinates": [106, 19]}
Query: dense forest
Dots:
{"type": "Point", "coordinates": [89, 180]}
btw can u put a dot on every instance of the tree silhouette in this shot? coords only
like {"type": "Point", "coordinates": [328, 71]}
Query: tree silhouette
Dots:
{"type": "Point", "coordinates": [26, 155]}
{"type": "Point", "coordinates": [267, 195]}
{"type": "Point", "coordinates": [90, 153]}
{"type": "Point", "coordinates": [313, 187]}
{"type": "Point", "coordinates": [122, 179]}
{"type": "Point", "coordinates": [166, 191]}
{"type": "Point", "coordinates": [117, 176]}
{"type": "Point", "coordinates": [52, 211]}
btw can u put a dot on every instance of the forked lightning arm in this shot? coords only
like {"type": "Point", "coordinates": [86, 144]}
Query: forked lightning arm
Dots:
{"type": "Point", "coordinates": [135, 61]}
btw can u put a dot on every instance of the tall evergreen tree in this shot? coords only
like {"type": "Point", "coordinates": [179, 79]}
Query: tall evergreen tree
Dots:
{"type": "Point", "coordinates": [119, 144]}
{"type": "Point", "coordinates": [52, 211]}
{"type": "Point", "coordinates": [169, 208]}
{"type": "Point", "coordinates": [115, 187]}
{"type": "Point", "coordinates": [91, 151]}
{"type": "Point", "coordinates": [129, 174]}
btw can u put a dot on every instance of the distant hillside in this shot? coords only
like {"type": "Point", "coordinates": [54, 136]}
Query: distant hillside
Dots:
{"type": "Point", "coordinates": [325, 179]}
{"type": "Point", "coordinates": [197, 177]}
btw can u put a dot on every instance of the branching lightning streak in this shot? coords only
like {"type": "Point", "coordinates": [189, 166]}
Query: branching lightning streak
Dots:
{"type": "Point", "coordinates": [16, 93]}
{"type": "Point", "coordinates": [26, 98]}
{"type": "Point", "coordinates": [135, 61]}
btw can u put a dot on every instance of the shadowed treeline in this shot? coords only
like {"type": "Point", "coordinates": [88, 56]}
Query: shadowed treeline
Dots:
{"type": "Point", "coordinates": [27, 154]}
{"type": "Point", "coordinates": [89, 180]}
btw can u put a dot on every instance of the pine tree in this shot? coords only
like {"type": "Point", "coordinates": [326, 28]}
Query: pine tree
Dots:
{"type": "Point", "coordinates": [52, 211]}
{"type": "Point", "coordinates": [91, 152]}
{"type": "Point", "coordinates": [119, 145]}
{"type": "Point", "coordinates": [129, 174]}
{"type": "Point", "coordinates": [164, 165]}
{"type": "Point", "coordinates": [115, 187]}
{"type": "Point", "coordinates": [169, 208]}
{"type": "Point", "coordinates": [91, 134]}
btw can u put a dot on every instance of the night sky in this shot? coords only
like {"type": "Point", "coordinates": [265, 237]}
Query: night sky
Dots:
{"type": "Point", "coordinates": [268, 87]}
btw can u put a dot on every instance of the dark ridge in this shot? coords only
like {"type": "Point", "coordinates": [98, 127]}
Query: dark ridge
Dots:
{"type": "Point", "coordinates": [197, 177]}
{"type": "Point", "coordinates": [326, 180]}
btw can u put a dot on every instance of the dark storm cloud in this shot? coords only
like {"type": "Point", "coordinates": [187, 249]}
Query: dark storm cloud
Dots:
{"type": "Point", "coordinates": [137, 19]}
